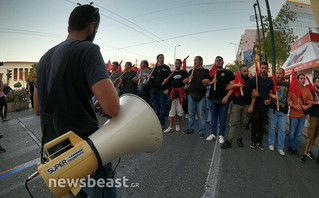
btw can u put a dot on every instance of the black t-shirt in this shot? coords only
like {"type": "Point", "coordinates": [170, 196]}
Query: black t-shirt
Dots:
{"type": "Point", "coordinates": [31, 84]}
{"type": "Point", "coordinates": [223, 79]}
{"type": "Point", "coordinates": [264, 87]}
{"type": "Point", "coordinates": [315, 109]}
{"type": "Point", "coordinates": [196, 87]}
{"type": "Point", "coordinates": [73, 104]}
{"type": "Point", "coordinates": [246, 99]}
{"type": "Point", "coordinates": [159, 74]}
{"type": "Point", "coordinates": [176, 80]}
{"type": "Point", "coordinates": [128, 84]}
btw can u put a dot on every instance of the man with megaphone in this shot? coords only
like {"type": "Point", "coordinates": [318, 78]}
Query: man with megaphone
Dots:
{"type": "Point", "coordinates": [84, 74]}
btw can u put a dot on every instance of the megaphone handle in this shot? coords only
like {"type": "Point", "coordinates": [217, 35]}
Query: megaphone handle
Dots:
{"type": "Point", "coordinates": [89, 141]}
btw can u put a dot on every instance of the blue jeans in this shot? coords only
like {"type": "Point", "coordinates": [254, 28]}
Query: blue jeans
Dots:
{"type": "Point", "coordinates": [218, 111]}
{"type": "Point", "coordinates": [200, 106]}
{"type": "Point", "coordinates": [96, 191]}
{"type": "Point", "coordinates": [274, 119]}
{"type": "Point", "coordinates": [295, 130]}
{"type": "Point", "coordinates": [159, 98]}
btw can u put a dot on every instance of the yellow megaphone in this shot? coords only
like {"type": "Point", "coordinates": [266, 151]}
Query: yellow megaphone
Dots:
{"type": "Point", "coordinates": [123, 134]}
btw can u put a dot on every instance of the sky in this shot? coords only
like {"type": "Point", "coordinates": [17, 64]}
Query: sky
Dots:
{"type": "Point", "coordinates": [132, 30]}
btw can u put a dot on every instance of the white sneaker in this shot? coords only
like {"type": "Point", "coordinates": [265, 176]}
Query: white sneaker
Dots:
{"type": "Point", "coordinates": [168, 130]}
{"type": "Point", "coordinates": [196, 117]}
{"type": "Point", "coordinates": [281, 152]}
{"type": "Point", "coordinates": [221, 139]}
{"type": "Point", "coordinates": [178, 128]}
{"type": "Point", "coordinates": [211, 137]}
{"type": "Point", "coordinates": [271, 147]}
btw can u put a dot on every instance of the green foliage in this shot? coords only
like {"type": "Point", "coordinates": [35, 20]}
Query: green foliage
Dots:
{"type": "Point", "coordinates": [16, 95]}
{"type": "Point", "coordinates": [283, 36]}
{"type": "Point", "coordinates": [233, 67]}
{"type": "Point", "coordinates": [32, 73]}
{"type": "Point", "coordinates": [18, 84]}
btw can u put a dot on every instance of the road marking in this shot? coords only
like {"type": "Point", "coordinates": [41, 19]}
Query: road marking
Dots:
{"type": "Point", "coordinates": [212, 180]}
{"type": "Point", "coordinates": [18, 168]}
{"type": "Point", "coordinates": [35, 139]}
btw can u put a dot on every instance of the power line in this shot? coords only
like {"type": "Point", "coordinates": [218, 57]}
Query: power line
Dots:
{"type": "Point", "coordinates": [180, 36]}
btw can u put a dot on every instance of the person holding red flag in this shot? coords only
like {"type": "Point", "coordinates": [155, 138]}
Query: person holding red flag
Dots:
{"type": "Point", "coordinates": [241, 111]}
{"type": "Point", "coordinates": [313, 131]}
{"type": "Point", "coordinates": [116, 74]}
{"type": "Point", "coordinates": [158, 91]}
{"type": "Point", "coordinates": [263, 87]}
{"type": "Point", "coordinates": [196, 97]}
{"type": "Point", "coordinates": [140, 78]}
{"type": "Point", "coordinates": [177, 95]}
{"type": "Point", "coordinates": [219, 99]}
{"type": "Point", "coordinates": [278, 118]}
{"type": "Point", "coordinates": [298, 99]}
{"type": "Point", "coordinates": [129, 86]}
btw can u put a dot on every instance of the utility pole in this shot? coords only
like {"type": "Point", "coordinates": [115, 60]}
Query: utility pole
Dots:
{"type": "Point", "coordinates": [272, 39]}
{"type": "Point", "coordinates": [258, 34]}
{"type": "Point", "coordinates": [263, 30]}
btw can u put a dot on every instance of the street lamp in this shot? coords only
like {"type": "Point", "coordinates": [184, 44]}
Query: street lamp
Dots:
{"type": "Point", "coordinates": [235, 54]}
{"type": "Point", "coordinates": [175, 53]}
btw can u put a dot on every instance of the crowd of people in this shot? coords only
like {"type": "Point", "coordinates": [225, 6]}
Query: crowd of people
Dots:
{"type": "Point", "coordinates": [265, 99]}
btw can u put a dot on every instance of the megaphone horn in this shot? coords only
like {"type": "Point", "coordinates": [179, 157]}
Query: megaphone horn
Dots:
{"type": "Point", "coordinates": [135, 129]}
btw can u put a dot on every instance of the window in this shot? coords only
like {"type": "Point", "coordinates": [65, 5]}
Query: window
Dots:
{"type": "Point", "coordinates": [15, 74]}
{"type": "Point", "coordinates": [21, 74]}
{"type": "Point", "coordinates": [26, 73]}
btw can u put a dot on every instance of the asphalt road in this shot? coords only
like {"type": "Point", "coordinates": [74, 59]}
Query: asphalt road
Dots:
{"type": "Point", "coordinates": [185, 167]}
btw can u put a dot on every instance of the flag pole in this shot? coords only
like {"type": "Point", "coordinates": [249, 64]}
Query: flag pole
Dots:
{"type": "Point", "coordinates": [277, 101]}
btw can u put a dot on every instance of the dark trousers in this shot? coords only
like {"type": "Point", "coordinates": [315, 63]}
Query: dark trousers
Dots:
{"type": "Point", "coordinates": [159, 98]}
{"type": "Point", "coordinates": [258, 121]}
{"type": "Point", "coordinates": [3, 103]}
{"type": "Point", "coordinates": [145, 97]}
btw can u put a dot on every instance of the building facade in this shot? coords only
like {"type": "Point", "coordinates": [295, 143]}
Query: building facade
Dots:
{"type": "Point", "coordinates": [20, 71]}
{"type": "Point", "coordinates": [305, 19]}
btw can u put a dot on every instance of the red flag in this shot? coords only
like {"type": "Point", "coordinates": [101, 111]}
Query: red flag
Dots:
{"type": "Point", "coordinates": [294, 86]}
{"type": "Point", "coordinates": [120, 68]}
{"type": "Point", "coordinates": [184, 63]}
{"type": "Point", "coordinates": [274, 88]}
{"type": "Point", "coordinates": [134, 68]}
{"type": "Point", "coordinates": [257, 69]}
{"type": "Point", "coordinates": [310, 86]}
{"type": "Point", "coordinates": [213, 70]}
{"type": "Point", "coordinates": [109, 66]}
{"type": "Point", "coordinates": [238, 79]}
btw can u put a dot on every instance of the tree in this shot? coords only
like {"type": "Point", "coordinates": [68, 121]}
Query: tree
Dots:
{"type": "Point", "coordinates": [32, 73]}
{"type": "Point", "coordinates": [283, 35]}
{"type": "Point", "coordinates": [233, 67]}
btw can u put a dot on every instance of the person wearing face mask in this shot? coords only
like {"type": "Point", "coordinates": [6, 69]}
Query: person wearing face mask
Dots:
{"type": "Point", "coordinates": [85, 74]}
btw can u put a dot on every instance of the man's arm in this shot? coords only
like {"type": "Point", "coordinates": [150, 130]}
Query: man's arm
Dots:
{"type": "Point", "coordinates": [36, 102]}
{"type": "Point", "coordinates": [107, 96]}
